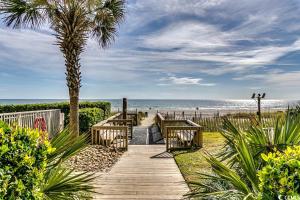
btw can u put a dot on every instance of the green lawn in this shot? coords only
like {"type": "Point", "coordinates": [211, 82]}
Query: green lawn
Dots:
{"type": "Point", "coordinates": [190, 162]}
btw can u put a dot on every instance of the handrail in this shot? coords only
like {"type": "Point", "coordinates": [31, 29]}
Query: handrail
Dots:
{"type": "Point", "coordinates": [112, 132]}
{"type": "Point", "coordinates": [123, 122]}
{"type": "Point", "coordinates": [108, 136]}
{"type": "Point", "coordinates": [180, 133]}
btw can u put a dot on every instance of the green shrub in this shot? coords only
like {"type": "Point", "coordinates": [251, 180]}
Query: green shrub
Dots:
{"type": "Point", "coordinates": [23, 161]}
{"type": "Point", "coordinates": [64, 107]}
{"type": "Point", "coordinates": [88, 117]}
{"type": "Point", "coordinates": [280, 177]}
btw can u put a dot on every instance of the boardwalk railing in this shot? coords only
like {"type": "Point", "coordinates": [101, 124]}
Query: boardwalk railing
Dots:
{"type": "Point", "coordinates": [53, 120]}
{"type": "Point", "coordinates": [132, 115]}
{"type": "Point", "coordinates": [180, 134]}
{"type": "Point", "coordinates": [113, 132]}
{"type": "Point", "coordinates": [123, 122]}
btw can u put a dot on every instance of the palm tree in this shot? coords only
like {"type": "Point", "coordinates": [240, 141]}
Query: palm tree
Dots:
{"type": "Point", "coordinates": [73, 21]}
{"type": "Point", "coordinates": [235, 167]}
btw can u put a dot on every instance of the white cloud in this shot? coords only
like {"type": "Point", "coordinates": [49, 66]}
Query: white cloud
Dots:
{"type": "Point", "coordinates": [187, 35]}
{"type": "Point", "coordinates": [274, 78]}
{"type": "Point", "coordinates": [173, 80]}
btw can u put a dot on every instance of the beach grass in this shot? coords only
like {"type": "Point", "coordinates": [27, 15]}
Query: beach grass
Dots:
{"type": "Point", "coordinates": [192, 161]}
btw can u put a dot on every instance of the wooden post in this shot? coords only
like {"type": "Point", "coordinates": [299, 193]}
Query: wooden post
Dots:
{"type": "Point", "coordinates": [200, 137]}
{"type": "Point", "coordinates": [124, 108]}
{"type": "Point", "coordinates": [167, 140]}
{"type": "Point", "coordinates": [258, 105]}
{"type": "Point", "coordinates": [126, 139]}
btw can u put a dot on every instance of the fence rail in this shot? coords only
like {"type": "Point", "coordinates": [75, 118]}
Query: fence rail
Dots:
{"type": "Point", "coordinates": [214, 122]}
{"type": "Point", "coordinates": [110, 136]}
{"type": "Point", "coordinates": [123, 122]}
{"type": "Point", "coordinates": [180, 133]}
{"type": "Point", "coordinates": [179, 137]}
{"type": "Point", "coordinates": [113, 132]}
{"type": "Point", "coordinates": [52, 119]}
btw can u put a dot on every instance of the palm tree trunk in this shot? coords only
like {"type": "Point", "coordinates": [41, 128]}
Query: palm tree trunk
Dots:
{"type": "Point", "coordinates": [71, 47]}
{"type": "Point", "coordinates": [71, 33]}
{"type": "Point", "coordinates": [74, 110]}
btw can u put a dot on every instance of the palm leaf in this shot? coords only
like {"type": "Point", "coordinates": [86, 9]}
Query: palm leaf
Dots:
{"type": "Point", "coordinates": [21, 13]}
{"type": "Point", "coordinates": [66, 146]}
{"type": "Point", "coordinates": [65, 184]}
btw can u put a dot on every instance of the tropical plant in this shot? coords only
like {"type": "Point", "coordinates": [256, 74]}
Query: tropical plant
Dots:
{"type": "Point", "coordinates": [279, 178]}
{"type": "Point", "coordinates": [63, 183]}
{"type": "Point", "coordinates": [73, 22]}
{"type": "Point", "coordinates": [234, 169]}
{"type": "Point", "coordinates": [31, 167]}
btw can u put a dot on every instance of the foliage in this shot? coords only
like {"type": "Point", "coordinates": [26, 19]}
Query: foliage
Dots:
{"type": "Point", "coordinates": [23, 162]}
{"type": "Point", "coordinates": [280, 176]}
{"type": "Point", "coordinates": [234, 168]}
{"type": "Point", "coordinates": [88, 117]}
{"type": "Point", "coordinates": [64, 107]}
{"type": "Point", "coordinates": [31, 167]}
{"type": "Point", "coordinates": [63, 183]}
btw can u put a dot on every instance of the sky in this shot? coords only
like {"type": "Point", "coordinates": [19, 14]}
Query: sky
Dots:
{"type": "Point", "coordinates": [170, 49]}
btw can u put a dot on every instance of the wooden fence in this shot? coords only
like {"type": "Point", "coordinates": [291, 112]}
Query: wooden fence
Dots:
{"type": "Point", "coordinates": [180, 134]}
{"type": "Point", "coordinates": [214, 122]}
{"type": "Point", "coordinates": [113, 132]}
{"type": "Point", "coordinates": [53, 120]}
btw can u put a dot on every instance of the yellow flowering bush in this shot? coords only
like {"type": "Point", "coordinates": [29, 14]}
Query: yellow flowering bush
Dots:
{"type": "Point", "coordinates": [23, 161]}
{"type": "Point", "coordinates": [280, 177]}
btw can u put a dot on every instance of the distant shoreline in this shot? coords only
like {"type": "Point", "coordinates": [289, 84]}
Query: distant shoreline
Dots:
{"type": "Point", "coordinates": [190, 106]}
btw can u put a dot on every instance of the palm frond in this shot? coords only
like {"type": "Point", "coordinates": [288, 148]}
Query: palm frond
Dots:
{"type": "Point", "coordinates": [65, 184]}
{"type": "Point", "coordinates": [66, 146]}
{"type": "Point", "coordinates": [117, 8]}
{"type": "Point", "coordinates": [62, 183]}
{"type": "Point", "coordinates": [22, 13]}
{"type": "Point", "coordinates": [228, 174]}
{"type": "Point", "coordinates": [108, 16]}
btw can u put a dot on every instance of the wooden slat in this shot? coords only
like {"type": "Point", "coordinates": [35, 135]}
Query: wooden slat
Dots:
{"type": "Point", "coordinates": [143, 172]}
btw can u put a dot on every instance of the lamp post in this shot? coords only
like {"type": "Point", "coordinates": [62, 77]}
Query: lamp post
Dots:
{"type": "Point", "coordinates": [259, 97]}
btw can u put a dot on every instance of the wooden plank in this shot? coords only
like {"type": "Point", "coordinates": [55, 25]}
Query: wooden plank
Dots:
{"type": "Point", "coordinates": [141, 174]}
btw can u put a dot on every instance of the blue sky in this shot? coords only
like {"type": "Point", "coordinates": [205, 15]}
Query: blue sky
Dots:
{"type": "Point", "coordinates": [191, 49]}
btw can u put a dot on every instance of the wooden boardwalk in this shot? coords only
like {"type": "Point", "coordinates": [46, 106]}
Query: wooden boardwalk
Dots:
{"type": "Point", "coordinates": [143, 172]}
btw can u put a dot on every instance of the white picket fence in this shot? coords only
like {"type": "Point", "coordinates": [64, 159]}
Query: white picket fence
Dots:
{"type": "Point", "coordinates": [54, 119]}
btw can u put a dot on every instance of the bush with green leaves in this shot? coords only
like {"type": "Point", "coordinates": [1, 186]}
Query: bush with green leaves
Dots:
{"type": "Point", "coordinates": [280, 177]}
{"type": "Point", "coordinates": [88, 117]}
{"type": "Point", "coordinates": [63, 106]}
{"type": "Point", "coordinates": [23, 162]}
{"type": "Point", "coordinates": [31, 167]}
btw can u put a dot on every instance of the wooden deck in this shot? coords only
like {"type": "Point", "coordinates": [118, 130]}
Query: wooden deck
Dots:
{"type": "Point", "coordinates": [143, 172]}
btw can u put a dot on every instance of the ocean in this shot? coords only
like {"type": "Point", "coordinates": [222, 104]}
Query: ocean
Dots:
{"type": "Point", "coordinates": [172, 104]}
